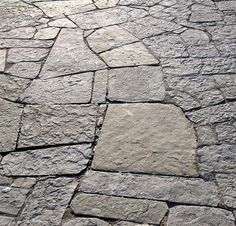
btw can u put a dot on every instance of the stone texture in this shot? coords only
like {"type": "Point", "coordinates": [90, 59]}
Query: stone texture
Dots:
{"type": "Point", "coordinates": [6, 221]}
{"type": "Point", "coordinates": [24, 182]}
{"type": "Point", "coordinates": [57, 124]}
{"type": "Point", "coordinates": [163, 145]}
{"type": "Point", "coordinates": [101, 4]}
{"type": "Point", "coordinates": [206, 135]}
{"type": "Point", "coordinates": [137, 210]}
{"type": "Point", "coordinates": [22, 32]}
{"type": "Point", "coordinates": [62, 90]}
{"type": "Point", "coordinates": [226, 132]}
{"type": "Point", "coordinates": [100, 87]}
{"type": "Point", "coordinates": [47, 33]}
{"type": "Point", "coordinates": [129, 55]}
{"type": "Point", "coordinates": [63, 22]}
{"type": "Point", "coordinates": [206, 14]}
{"type": "Point", "coordinates": [127, 223]}
{"type": "Point", "coordinates": [25, 43]}
{"type": "Point", "coordinates": [10, 117]}
{"type": "Point", "coordinates": [51, 161]}
{"type": "Point", "coordinates": [227, 5]}
{"type": "Point", "coordinates": [148, 85]}
{"type": "Point", "coordinates": [198, 216]}
{"type": "Point", "coordinates": [48, 202]}
{"type": "Point", "coordinates": [70, 55]}
{"type": "Point", "coordinates": [3, 55]}
{"type": "Point", "coordinates": [164, 188]}
{"type": "Point", "coordinates": [85, 222]}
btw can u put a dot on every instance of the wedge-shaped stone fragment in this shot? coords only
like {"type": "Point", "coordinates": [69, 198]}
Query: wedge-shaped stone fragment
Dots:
{"type": "Point", "coordinates": [70, 55]}
{"type": "Point", "coordinates": [199, 216]}
{"type": "Point", "coordinates": [3, 55]}
{"type": "Point", "coordinates": [51, 161]}
{"type": "Point", "coordinates": [10, 117]}
{"type": "Point", "coordinates": [63, 22]}
{"type": "Point", "coordinates": [129, 55]}
{"type": "Point", "coordinates": [80, 221]}
{"type": "Point", "coordinates": [48, 202]}
{"type": "Point", "coordinates": [111, 37]}
{"type": "Point", "coordinates": [62, 90]}
{"type": "Point", "coordinates": [136, 84]}
{"type": "Point", "coordinates": [137, 210]}
{"type": "Point", "coordinates": [57, 124]}
{"type": "Point", "coordinates": [47, 33]}
{"type": "Point", "coordinates": [146, 138]}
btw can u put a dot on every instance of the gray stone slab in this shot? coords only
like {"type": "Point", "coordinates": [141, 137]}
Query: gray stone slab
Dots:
{"type": "Point", "coordinates": [63, 22]}
{"type": "Point", "coordinates": [24, 182]}
{"type": "Point", "coordinates": [85, 222]}
{"type": "Point", "coordinates": [164, 188]}
{"type": "Point", "coordinates": [6, 221]}
{"type": "Point", "coordinates": [47, 33]}
{"type": "Point", "coordinates": [101, 4]}
{"type": "Point", "coordinates": [100, 87]}
{"type": "Point", "coordinates": [137, 210]}
{"type": "Point", "coordinates": [25, 43]}
{"type": "Point", "coordinates": [22, 32]}
{"type": "Point", "coordinates": [3, 55]}
{"type": "Point", "coordinates": [227, 5]}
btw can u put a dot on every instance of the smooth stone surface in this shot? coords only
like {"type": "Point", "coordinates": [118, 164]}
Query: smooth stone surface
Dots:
{"type": "Point", "coordinates": [70, 55]}
{"type": "Point", "coordinates": [129, 55]}
{"type": "Point", "coordinates": [137, 210]}
{"type": "Point", "coordinates": [85, 222]}
{"type": "Point", "coordinates": [62, 90]}
{"type": "Point", "coordinates": [10, 117]}
{"type": "Point", "coordinates": [164, 188]}
{"type": "Point", "coordinates": [47, 33]}
{"type": "Point", "coordinates": [100, 87]}
{"type": "Point", "coordinates": [57, 124]}
{"type": "Point", "coordinates": [136, 84]}
{"type": "Point", "coordinates": [51, 161]}
{"type": "Point", "coordinates": [162, 142]}
{"type": "Point", "coordinates": [48, 202]}
{"type": "Point", "coordinates": [199, 216]}
{"type": "Point", "coordinates": [3, 55]}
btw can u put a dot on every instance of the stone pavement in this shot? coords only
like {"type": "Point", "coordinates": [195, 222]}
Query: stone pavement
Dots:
{"type": "Point", "coordinates": [117, 112]}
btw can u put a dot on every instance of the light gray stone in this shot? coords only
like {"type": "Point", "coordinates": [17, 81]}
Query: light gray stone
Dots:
{"type": "Point", "coordinates": [48, 202]}
{"type": "Point", "coordinates": [3, 55]}
{"type": "Point", "coordinates": [70, 55]}
{"type": "Point", "coordinates": [63, 22]}
{"type": "Point", "coordinates": [5, 181]}
{"type": "Point", "coordinates": [226, 132]}
{"type": "Point", "coordinates": [136, 84]}
{"type": "Point", "coordinates": [164, 188]}
{"type": "Point", "coordinates": [127, 223]}
{"type": "Point", "coordinates": [139, 2]}
{"type": "Point", "coordinates": [85, 222]}
{"type": "Point", "coordinates": [199, 216]}
{"type": "Point", "coordinates": [205, 15]}
{"type": "Point", "coordinates": [227, 5]}
{"type": "Point", "coordinates": [24, 182]}
{"type": "Point", "coordinates": [162, 142]}
{"type": "Point", "coordinates": [129, 55]}
{"type": "Point", "coordinates": [21, 32]}
{"type": "Point", "coordinates": [51, 161]}
{"type": "Point", "coordinates": [62, 90]}
{"type": "Point", "coordinates": [57, 124]}
{"type": "Point", "coordinates": [6, 221]}
{"type": "Point", "coordinates": [47, 33]}
{"type": "Point", "coordinates": [25, 43]}
{"type": "Point", "coordinates": [144, 211]}
{"type": "Point", "coordinates": [206, 135]}
{"type": "Point", "coordinates": [101, 4]}
{"type": "Point", "coordinates": [195, 37]}
{"type": "Point", "coordinates": [10, 117]}
{"type": "Point", "coordinates": [100, 87]}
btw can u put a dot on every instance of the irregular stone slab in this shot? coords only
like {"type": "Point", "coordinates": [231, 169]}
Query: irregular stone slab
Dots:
{"type": "Point", "coordinates": [129, 55]}
{"type": "Point", "coordinates": [48, 202]}
{"type": "Point", "coordinates": [57, 124]}
{"type": "Point", "coordinates": [11, 87]}
{"type": "Point", "coordinates": [226, 132]}
{"type": "Point", "coordinates": [62, 90]}
{"type": "Point", "coordinates": [226, 5]}
{"type": "Point", "coordinates": [6, 221]}
{"type": "Point", "coordinates": [3, 55]}
{"type": "Point", "coordinates": [163, 141]}
{"type": "Point", "coordinates": [47, 33]}
{"type": "Point", "coordinates": [70, 55]}
{"type": "Point", "coordinates": [206, 135]}
{"type": "Point", "coordinates": [101, 4]}
{"type": "Point", "coordinates": [23, 43]}
{"type": "Point", "coordinates": [24, 182]}
{"type": "Point", "coordinates": [12, 199]}
{"type": "Point", "coordinates": [100, 87]}
{"type": "Point", "coordinates": [26, 54]}
{"type": "Point", "coordinates": [127, 223]}
{"type": "Point", "coordinates": [164, 188]}
{"type": "Point", "coordinates": [198, 216]}
{"type": "Point", "coordinates": [137, 210]}
{"type": "Point", "coordinates": [106, 17]}
{"type": "Point", "coordinates": [10, 117]}
{"type": "Point", "coordinates": [217, 158]}
{"type": "Point", "coordinates": [85, 222]}
{"type": "Point", "coordinates": [139, 2]}
{"type": "Point", "coordinates": [64, 22]}
{"type": "Point", "coordinates": [21, 32]}
{"type": "Point", "coordinates": [111, 37]}
{"type": "Point", "coordinates": [25, 69]}
{"type": "Point", "coordinates": [227, 184]}
{"type": "Point", "coordinates": [51, 161]}
{"type": "Point", "coordinates": [59, 8]}
{"type": "Point", "coordinates": [195, 37]}
{"type": "Point", "coordinates": [148, 85]}
{"type": "Point", "coordinates": [206, 14]}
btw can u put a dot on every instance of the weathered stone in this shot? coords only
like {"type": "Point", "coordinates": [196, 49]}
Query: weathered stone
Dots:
{"type": "Point", "coordinates": [25, 43]}
{"type": "Point", "coordinates": [127, 223]}
{"type": "Point", "coordinates": [11, 87]}
{"type": "Point", "coordinates": [129, 55]}
{"type": "Point", "coordinates": [48, 202]}
{"type": "Point", "coordinates": [5, 181]}
{"type": "Point", "coordinates": [6, 221]}
{"type": "Point", "coordinates": [64, 22]}
{"type": "Point", "coordinates": [3, 55]}
{"type": "Point", "coordinates": [148, 85]}
{"type": "Point", "coordinates": [12, 199]}
{"type": "Point", "coordinates": [70, 55]}
{"type": "Point", "coordinates": [205, 15]}
{"type": "Point", "coordinates": [199, 216]}
{"type": "Point", "coordinates": [227, 184]}
{"type": "Point", "coordinates": [137, 210]}
{"type": "Point", "coordinates": [217, 159]}
{"type": "Point", "coordinates": [226, 132]}
{"type": "Point", "coordinates": [227, 5]}
{"type": "Point", "coordinates": [100, 87]}
{"type": "Point", "coordinates": [138, 2]}
{"type": "Point", "coordinates": [57, 124]}
{"type": "Point", "coordinates": [164, 188]}
{"type": "Point", "coordinates": [62, 90]}
{"type": "Point", "coordinates": [24, 182]}
{"type": "Point", "coordinates": [195, 37]}
{"type": "Point", "coordinates": [162, 141]}
{"type": "Point", "coordinates": [47, 33]}
{"type": "Point", "coordinates": [111, 37]}
{"type": "Point", "coordinates": [206, 135]}
{"type": "Point", "coordinates": [22, 32]}
{"type": "Point", "coordinates": [10, 117]}
{"type": "Point", "coordinates": [26, 54]}
{"type": "Point", "coordinates": [85, 222]}
{"type": "Point", "coordinates": [101, 4]}
{"type": "Point", "coordinates": [51, 161]}
{"type": "Point", "coordinates": [59, 8]}
{"type": "Point", "coordinates": [25, 69]}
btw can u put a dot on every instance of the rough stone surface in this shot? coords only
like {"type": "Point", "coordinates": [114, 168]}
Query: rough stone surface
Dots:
{"type": "Point", "coordinates": [22, 32]}
{"type": "Point", "coordinates": [127, 223]}
{"type": "Point", "coordinates": [24, 182]}
{"type": "Point", "coordinates": [64, 22]}
{"type": "Point", "coordinates": [47, 33]}
{"type": "Point", "coordinates": [100, 86]}
{"type": "Point", "coordinates": [119, 208]}
{"type": "Point", "coordinates": [66, 124]}
{"type": "Point", "coordinates": [101, 4]}
{"type": "Point", "coordinates": [198, 216]}
{"type": "Point", "coordinates": [148, 85]}
{"type": "Point", "coordinates": [172, 189]}
{"type": "Point", "coordinates": [25, 43]}
{"type": "Point", "coordinates": [164, 144]}
{"type": "Point", "coordinates": [63, 90]}
{"type": "Point", "coordinates": [85, 222]}
{"type": "Point", "coordinates": [6, 221]}
{"type": "Point", "coordinates": [3, 54]}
